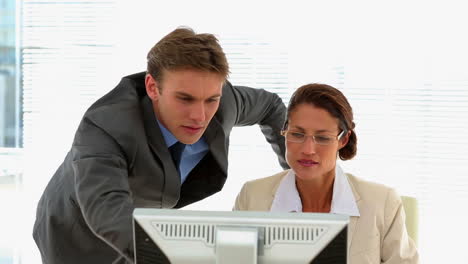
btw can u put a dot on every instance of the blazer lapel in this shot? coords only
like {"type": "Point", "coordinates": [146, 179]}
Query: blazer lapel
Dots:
{"type": "Point", "coordinates": [209, 175]}
{"type": "Point", "coordinates": [216, 139]}
{"type": "Point", "coordinates": [171, 190]}
{"type": "Point", "coordinates": [272, 195]}
{"type": "Point", "coordinates": [353, 219]}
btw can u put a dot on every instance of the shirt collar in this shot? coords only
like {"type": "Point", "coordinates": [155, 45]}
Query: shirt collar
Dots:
{"type": "Point", "coordinates": [169, 138]}
{"type": "Point", "coordinates": [287, 197]}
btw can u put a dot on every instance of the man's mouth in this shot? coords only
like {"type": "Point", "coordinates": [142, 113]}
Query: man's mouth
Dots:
{"type": "Point", "coordinates": [192, 129]}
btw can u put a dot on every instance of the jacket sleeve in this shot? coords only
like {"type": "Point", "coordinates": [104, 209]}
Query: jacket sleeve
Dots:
{"type": "Point", "coordinates": [257, 106]}
{"type": "Point", "coordinates": [101, 187]}
{"type": "Point", "coordinates": [397, 246]}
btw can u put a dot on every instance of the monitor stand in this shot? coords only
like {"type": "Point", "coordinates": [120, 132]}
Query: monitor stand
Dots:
{"type": "Point", "coordinates": [236, 245]}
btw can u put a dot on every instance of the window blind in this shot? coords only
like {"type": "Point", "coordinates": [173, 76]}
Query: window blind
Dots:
{"type": "Point", "coordinates": [67, 53]}
{"type": "Point", "coordinates": [409, 94]}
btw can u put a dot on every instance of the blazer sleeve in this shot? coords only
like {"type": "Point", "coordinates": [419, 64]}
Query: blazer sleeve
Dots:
{"type": "Point", "coordinates": [258, 106]}
{"type": "Point", "coordinates": [102, 188]}
{"type": "Point", "coordinates": [397, 246]}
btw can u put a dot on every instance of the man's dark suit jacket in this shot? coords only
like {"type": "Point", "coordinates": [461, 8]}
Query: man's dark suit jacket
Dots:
{"type": "Point", "coordinates": [119, 160]}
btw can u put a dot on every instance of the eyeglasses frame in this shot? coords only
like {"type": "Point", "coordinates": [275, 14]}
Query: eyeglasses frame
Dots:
{"type": "Point", "coordinates": [338, 137]}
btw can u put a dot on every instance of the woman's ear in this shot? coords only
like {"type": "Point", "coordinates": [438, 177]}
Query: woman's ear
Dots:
{"type": "Point", "coordinates": [344, 139]}
{"type": "Point", "coordinates": [152, 89]}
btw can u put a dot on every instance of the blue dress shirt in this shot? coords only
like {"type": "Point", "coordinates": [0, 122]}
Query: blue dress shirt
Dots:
{"type": "Point", "coordinates": [191, 155]}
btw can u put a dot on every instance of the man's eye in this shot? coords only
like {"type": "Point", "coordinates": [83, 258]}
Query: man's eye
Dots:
{"type": "Point", "coordinates": [297, 135]}
{"type": "Point", "coordinates": [185, 99]}
{"type": "Point", "coordinates": [212, 100]}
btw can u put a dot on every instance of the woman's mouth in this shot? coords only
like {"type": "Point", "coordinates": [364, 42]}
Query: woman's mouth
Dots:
{"type": "Point", "coordinates": [307, 163]}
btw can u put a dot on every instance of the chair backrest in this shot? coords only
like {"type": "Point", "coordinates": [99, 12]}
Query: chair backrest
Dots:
{"type": "Point", "coordinates": [410, 204]}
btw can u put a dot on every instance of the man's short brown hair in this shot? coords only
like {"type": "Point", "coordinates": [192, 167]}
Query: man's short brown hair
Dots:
{"type": "Point", "coordinates": [184, 49]}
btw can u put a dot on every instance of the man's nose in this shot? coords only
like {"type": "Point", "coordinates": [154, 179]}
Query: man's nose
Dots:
{"type": "Point", "coordinates": [197, 112]}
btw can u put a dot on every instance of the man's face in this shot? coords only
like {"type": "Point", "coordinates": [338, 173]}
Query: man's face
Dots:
{"type": "Point", "coordinates": [185, 101]}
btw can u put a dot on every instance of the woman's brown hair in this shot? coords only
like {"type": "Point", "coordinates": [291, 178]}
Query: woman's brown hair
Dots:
{"type": "Point", "coordinates": [334, 102]}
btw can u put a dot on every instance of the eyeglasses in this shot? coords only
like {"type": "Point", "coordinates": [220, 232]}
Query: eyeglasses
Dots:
{"type": "Point", "coordinates": [298, 137]}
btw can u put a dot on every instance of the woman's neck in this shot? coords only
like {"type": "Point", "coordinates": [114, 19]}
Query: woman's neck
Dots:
{"type": "Point", "coordinates": [316, 194]}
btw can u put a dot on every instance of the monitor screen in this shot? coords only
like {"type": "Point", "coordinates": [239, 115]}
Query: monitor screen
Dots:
{"type": "Point", "coordinates": [223, 237]}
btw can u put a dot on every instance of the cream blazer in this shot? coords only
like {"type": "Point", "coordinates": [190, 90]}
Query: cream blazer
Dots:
{"type": "Point", "coordinates": [378, 235]}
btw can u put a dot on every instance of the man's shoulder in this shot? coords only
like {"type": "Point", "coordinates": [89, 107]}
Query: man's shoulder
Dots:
{"type": "Point", "coordinates": [120, 112]}
{"type": "Point", "coordinates": [128, 92]}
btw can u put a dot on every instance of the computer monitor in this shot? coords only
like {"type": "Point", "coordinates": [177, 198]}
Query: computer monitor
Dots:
{"type": "Point", "coordinates": [224, 237]}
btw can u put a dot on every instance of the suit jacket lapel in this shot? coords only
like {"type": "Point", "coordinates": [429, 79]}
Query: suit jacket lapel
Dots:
{"type": "Point", "coordinates": [171, 190]}
{"type": "Point", "coordinates": [209, 175]}
{"type": "Point", "coordinates": [214, 136]}
{"type": "Point", "coordinates": [275, 189]}
{"type": "Point", "coordinates": [353, 219]}
{"type": "Point", "coordinates": [216, 139]}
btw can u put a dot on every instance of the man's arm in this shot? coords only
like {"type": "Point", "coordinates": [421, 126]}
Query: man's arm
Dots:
{"type": "Point", "coordinates": [102, 189]}
{"type": "Point", "coordinates": [257, 106]}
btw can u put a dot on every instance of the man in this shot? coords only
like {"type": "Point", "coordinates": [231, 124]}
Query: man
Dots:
{"type": "Point", "coordinates": [123, 153]}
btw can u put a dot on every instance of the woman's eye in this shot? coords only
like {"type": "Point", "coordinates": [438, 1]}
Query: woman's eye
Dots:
{"type": "Point", "coordinates": [297, 135]}
{"type": "Point", "coordinates": [323, 139]}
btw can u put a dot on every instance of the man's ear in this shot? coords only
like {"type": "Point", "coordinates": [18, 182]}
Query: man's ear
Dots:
{"type": "Point", "coordinates": [344, 140]}
{"type": "Point", "coordinates": [152, 88]}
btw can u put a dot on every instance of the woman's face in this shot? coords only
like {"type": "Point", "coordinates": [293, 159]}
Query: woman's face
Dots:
{"type": "Point", "coordinates": [310, 160]}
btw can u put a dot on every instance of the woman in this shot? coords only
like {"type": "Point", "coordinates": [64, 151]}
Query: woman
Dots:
{"type": "Point", "coordinates": [318, 129]}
